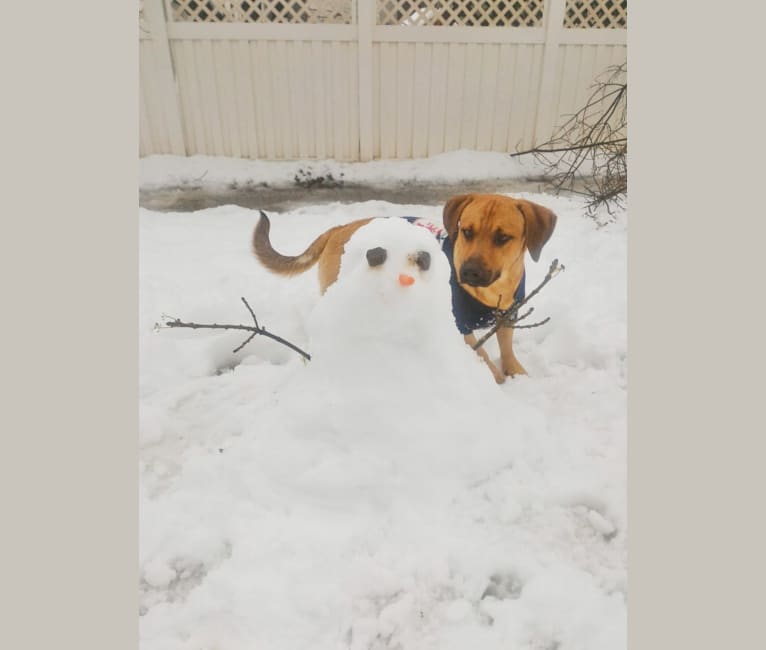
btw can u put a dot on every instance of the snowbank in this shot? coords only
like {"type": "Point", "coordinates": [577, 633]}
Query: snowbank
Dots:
{"type": "Point", "coordinates": [157, 171]}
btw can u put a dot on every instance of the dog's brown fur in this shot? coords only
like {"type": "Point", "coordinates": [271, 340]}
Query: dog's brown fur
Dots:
{"type": "Point", "coordinates": [490, 234]}
{"type": "Point", "coordinates": [326, 249]}
{"type": "Point", "coordinates": [479, 225]}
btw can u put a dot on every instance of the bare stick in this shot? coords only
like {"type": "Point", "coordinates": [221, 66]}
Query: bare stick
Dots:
{"type": "Point", "coordinates": [252, 313]}
{"type": "Point", "coordinates": [529, 327]}
{"type": "Point", "coordinates": [524, 315]}
{"type": "Point", "coordinates": [171, 322]}
{"type": "Point", "coordinates": [510, 317]}
{"type": "Point", "coordinates": [247, 340]}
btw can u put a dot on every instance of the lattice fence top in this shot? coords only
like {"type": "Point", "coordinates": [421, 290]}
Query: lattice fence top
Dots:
{"type": "Point", "coordinates": [263, 11]}
{"type": "Point", "coordinates": [599, 14]}
{"type": "Point", "coordinates": [469, 13]}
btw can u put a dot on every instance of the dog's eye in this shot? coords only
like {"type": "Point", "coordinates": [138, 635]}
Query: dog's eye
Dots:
{"type": "Point", "coordinates": [501, 238]}
{"type": "Point", "coordinates": [423, 260]}
{"type": "Point", "coordinates": [376, 256]}
{"type": "Point", "coordinates": [468, 234]}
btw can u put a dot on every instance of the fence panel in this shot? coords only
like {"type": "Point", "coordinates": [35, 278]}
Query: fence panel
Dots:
{"type": "Point", "coordinates": [362, 79]}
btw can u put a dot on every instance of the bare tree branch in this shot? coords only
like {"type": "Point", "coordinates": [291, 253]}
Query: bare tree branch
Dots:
{"type": "Point", "coordinates": [587, 154]}
{"type": "Point", "coordinates": [510, 317]}
{"type": "Point", "coordinates": [574, 147]}
{"type": "Point", "coordinates": [172, 322]}
{"type": "Point", "coordinates": [529, 327]}
{"type": "Point", "coordinates": [252, 313]}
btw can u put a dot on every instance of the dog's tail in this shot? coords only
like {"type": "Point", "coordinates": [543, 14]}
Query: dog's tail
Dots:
{"type": "Point", "coordinates": [284, 264]}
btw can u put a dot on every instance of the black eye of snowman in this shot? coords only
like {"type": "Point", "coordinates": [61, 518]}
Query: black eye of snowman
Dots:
{"type": "Point", "coordinates": [376, 256]}
{"type": "Point", "coordinates": [423, 260]}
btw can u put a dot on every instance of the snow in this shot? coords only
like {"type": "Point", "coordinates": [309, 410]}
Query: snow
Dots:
{"type": "Point", "coordinates": [156, 171]}
{"type": "Point", "coordinates": [386, 494]}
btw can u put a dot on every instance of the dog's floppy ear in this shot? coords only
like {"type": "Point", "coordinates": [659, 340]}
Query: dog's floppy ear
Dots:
{"type": "Point", "coordinates": [452, 211]}
{"type": "Point", "coordinates": [539, 223]}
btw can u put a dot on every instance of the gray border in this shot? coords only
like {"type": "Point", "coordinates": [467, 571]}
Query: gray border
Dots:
{"type": "Point", "coordinates": [696, 231]}
{"type": "Point", "coordinates": [69, 142]}
{"type": "Point", "coordinates": [696, 351]}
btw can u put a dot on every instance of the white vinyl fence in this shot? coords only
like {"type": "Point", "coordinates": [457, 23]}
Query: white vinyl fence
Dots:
{"type": "Point", "coordinates": [367, 79]}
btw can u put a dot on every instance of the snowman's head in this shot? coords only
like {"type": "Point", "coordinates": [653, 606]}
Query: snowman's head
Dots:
{"type": "Point", "coordinates": [393, 278]}
{"type": "Point", "coordinates": [396, 257]}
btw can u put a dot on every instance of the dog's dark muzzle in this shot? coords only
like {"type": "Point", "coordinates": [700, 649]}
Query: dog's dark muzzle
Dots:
{"type": "Point", "coordinates": [475, 274]}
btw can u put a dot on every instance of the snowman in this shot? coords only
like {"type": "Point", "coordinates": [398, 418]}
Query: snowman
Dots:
{"type": "Point", "coordinates": [391, 390]}
{"type": "Point", "coordinates": [383, 335]}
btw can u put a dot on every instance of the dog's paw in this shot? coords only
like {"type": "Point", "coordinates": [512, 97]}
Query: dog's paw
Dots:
{"type": "Point", "coordinates": [499, 376]}
{"type": "Point", "coordinates": [512, 367]}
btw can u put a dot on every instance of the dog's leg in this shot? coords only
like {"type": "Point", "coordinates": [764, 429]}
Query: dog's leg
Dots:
{"type": "Point", "coordinates": [470, 339]}
{"type": "Point", "coordinates": [510, 363]}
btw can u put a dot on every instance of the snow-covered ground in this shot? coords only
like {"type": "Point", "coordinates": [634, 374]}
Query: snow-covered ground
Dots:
{"type": "Point", "coordinates": [160, 171]}
{"type": "Point", "coordinates": [386, 494]}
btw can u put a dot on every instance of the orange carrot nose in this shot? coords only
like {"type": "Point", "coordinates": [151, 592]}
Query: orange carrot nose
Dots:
{"type": "Point", "coordinates": [406, 280]}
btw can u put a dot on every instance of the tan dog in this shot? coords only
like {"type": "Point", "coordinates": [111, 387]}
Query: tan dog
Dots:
{"type": "Point", "coordinates": [487, 236]}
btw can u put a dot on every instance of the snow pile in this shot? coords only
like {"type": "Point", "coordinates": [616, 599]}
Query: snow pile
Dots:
{"type": "Point", "coordinates": [388, 494]}
{"type": "Point", "coordinates": [212, 171]}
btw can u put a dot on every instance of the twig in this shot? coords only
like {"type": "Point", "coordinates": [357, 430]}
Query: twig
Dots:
{"type": "Point", "coordinates": [247, 340]}
{"type": "Point", "coordinates": [524, 315]}
{"type": "Point", "coordinates": [510, 317]}
{"type": "Point", "coordinates": [255, 320]}
{"type": "Point", "coordinates": [252, 313]}
{"type": "Point", "coordinates": [172, 322]}
{"type": "Point", "coordinates": [529, 327]}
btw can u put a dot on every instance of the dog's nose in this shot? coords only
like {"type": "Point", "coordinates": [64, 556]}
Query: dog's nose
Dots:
{"type": "Point", "coordinates": [470, 276]}
{"type": "Point", "coordinates": [473, 274]}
